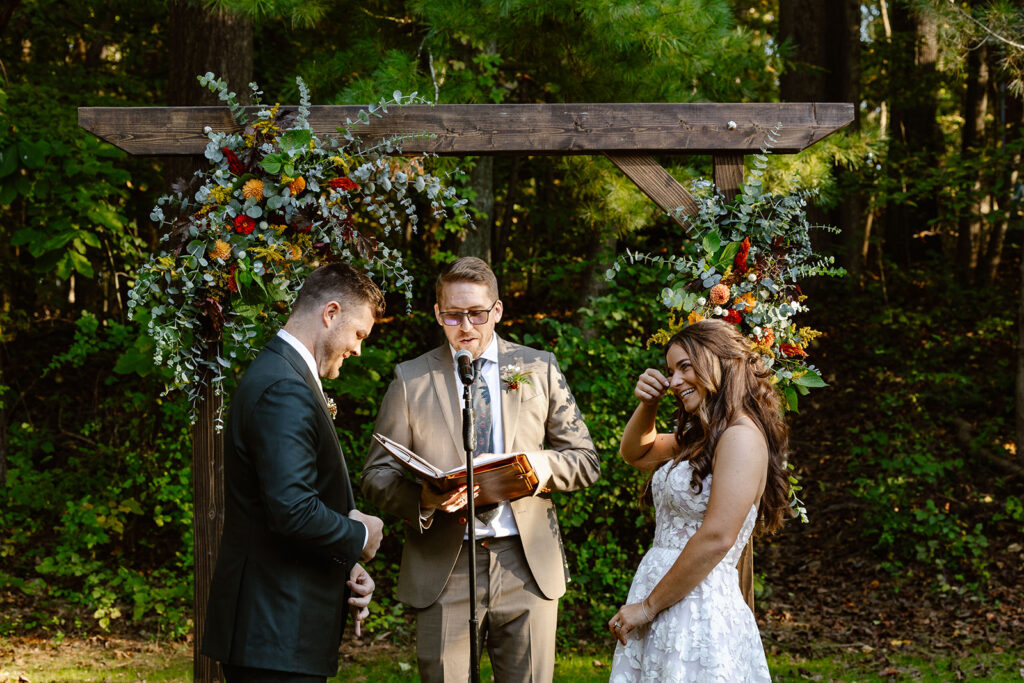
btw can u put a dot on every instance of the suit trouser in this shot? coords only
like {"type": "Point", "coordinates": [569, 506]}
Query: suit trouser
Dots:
{"type": "Point", "coordinates": [516, 622]}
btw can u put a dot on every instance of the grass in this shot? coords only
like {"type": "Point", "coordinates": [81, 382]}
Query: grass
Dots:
{"type": "Point", "coordinates": [115, 660]}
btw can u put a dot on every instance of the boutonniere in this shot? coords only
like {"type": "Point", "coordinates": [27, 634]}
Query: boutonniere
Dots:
{"type": "Point", "coordinates": [332, 407]}
{"type": "Point", "coordinates": [513, 376]}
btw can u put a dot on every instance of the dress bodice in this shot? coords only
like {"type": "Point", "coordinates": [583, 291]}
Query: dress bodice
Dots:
{"type": "Point", "coordinates": [679, 510]}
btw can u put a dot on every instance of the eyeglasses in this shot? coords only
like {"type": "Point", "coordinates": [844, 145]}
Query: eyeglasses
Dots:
{"type": "Point", "coordinates": [454, 318]}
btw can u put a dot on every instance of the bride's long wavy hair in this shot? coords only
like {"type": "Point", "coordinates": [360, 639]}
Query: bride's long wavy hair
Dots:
{"type": "Point", "coordinates": [735, 383]}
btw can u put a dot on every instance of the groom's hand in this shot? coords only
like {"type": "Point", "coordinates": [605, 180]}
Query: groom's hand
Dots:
{"type": "Point", "coordinates": [361, 585]}
{"type": "Point", "coordinates": [375, 527]}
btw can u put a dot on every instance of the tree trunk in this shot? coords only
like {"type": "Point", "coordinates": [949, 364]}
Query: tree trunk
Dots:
{"type": "Point", "coordinates": [203, 41]}
{"type": "Point", "coordinates": [825, 67]}
{"type": "Point", "coordinates": [1012, 120]}
{"type": "Point", "coordinates": [3, 422]}
{"type": "Point", "coordinates": [501, 230]}
{"type": "Point", "coordinates": [914, 135]}
{"type": "Point", "coordinates": [975, 107]}
{"type": "Point", "coordinates": [477, 240]}
{"type": "Point", "coordinates": [1020, 363]}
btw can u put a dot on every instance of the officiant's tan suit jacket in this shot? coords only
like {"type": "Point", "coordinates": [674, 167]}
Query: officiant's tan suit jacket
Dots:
{"type": "Point", "coordinates": [422, 409]}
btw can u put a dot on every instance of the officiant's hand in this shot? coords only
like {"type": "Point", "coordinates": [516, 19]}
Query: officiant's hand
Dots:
{"type": "Point", "coordinates": [650, 387]}
{"type": "Point", "coordinates": [361, 585]}
{"type": "Point", "coordinates": [449, 501]}
{"type": "Point", "coordinates": [376, 531]}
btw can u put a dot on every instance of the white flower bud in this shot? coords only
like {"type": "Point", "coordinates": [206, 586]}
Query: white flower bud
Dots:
{"type": "Point", "coordinates": [718, 310]}
{"type": "Point", "coordinates": [757, 331]}
{"type": "Point", "coordinates": [701, 301]}
{"type": "Point", "coordinates": [752, 277]}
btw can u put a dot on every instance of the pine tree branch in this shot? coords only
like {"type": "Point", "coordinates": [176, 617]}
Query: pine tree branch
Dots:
{"type": "Point", "coordinates": [952, 3]}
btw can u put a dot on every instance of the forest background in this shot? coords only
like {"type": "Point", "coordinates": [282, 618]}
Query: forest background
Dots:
{"type": "Point", "coordinates": [908, 459]}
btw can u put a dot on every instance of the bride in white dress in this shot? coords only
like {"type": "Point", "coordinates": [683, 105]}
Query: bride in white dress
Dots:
{"type": "Point", "coordinates": [719, 475]}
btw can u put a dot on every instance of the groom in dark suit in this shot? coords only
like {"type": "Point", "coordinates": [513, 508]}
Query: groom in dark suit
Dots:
{"type": "Point", "coordinates": [287, 570]}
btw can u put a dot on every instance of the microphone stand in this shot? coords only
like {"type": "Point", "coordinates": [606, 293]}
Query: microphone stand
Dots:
{"type": "Point", "coordinates": [469, 442]}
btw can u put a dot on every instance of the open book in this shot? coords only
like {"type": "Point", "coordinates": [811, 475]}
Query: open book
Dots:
{"type": "Point", "coordinates": [500, 476]}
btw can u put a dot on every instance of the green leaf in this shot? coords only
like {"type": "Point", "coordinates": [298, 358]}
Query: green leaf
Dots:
{"type": "Point", "coordinates": [248, 310]}
{"type": "Point", "coordinates": [8, 162]}
{"type": "Point", "coordinates": [32, 154]}
{"type": "Point", "coordinates": [810, 379]}
{"type": "Point", "coordinates": [271, 164]}
{"type": "Point", "coordinates": [8, 193]}
{"type": "Point", "coordinates": [728, 255]}
{"type": "Point", "coordinates": [296, 140]}
{"type": "Point", "coordinates": [81, 264]}
{"type": "Point", "coordinates": [712, 242]}
{"type": "Point", "coordinates": [138, 358]}
{"type": "Point", "coordinates": [791, 398]}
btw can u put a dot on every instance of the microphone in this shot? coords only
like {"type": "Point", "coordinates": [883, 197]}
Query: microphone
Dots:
{"type": "Point", "coordinates": [464, 361]}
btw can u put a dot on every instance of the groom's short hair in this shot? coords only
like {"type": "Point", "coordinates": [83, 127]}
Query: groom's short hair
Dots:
{"type": "Point", "coordinates": [342, 283]}
{"type": "Point", "coordinates": [467, 269]}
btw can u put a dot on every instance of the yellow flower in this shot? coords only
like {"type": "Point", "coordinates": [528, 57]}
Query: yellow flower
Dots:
{"type": "Point", "coordinates": [719, 294]}
{"type": "Point", "coordinates": [298, 185]}
{"type": "Point", "coordinates": [807, 335]}
{"type": "Point", "coordinates": [165, 262]}
{"type": "Point", "coordinates": [220, 195]}
{"type": "Point", "coordinates": [294, 252]}
{"type": "Point", "coordinates": [746, 301]}
{"type": "Point", "coordinates": [694, 317]}
{"type": "Point", "coordinates": [221, 250]}
{"type": "Point", "coordinates": [253, 189]}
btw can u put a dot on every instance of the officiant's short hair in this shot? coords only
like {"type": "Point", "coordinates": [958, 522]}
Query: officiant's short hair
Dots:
{"type": "Point", "coordinates": [467, 269]}
{"type": "Point", "coordinates": [339, 282]}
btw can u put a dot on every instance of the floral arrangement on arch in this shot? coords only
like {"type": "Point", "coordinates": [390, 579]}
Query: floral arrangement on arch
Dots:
{"type": "Point", "coordinates": [275, 202]}
{"type": "Point", "coordinates": [743, 266]}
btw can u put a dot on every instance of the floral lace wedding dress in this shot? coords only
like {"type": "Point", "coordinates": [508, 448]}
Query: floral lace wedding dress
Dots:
{"type": "Point", "coordinates": [710, 635]}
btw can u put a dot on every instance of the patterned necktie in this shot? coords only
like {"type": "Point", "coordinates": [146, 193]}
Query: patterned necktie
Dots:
{"type": "Point", "coordinates": [484, 435]}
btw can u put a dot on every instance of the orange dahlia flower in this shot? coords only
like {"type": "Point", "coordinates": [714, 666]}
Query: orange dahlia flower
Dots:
{"type": "Point", "coordinates": [253, 189]}
{"type": "Point", "coordinates": [221, 250]}
{"type": "Point", "coordinates": [298, 185]}
{"type": "Point", "coordinates": [719, 294]}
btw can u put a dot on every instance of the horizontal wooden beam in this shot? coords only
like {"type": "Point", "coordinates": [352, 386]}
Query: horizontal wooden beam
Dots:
{"type": "Point", "coordinates": [473, 129]}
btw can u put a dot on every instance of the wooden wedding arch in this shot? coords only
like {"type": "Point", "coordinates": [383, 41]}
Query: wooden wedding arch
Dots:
{"type": "Point", "coordinates": [627, 134]}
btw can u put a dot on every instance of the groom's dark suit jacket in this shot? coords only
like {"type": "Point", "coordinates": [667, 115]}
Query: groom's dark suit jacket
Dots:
{"type": "Point", "coordinates": [278, 599]}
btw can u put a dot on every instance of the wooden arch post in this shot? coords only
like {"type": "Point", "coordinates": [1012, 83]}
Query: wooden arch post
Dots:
{"type": "Point", "coordinates": [627, 134]}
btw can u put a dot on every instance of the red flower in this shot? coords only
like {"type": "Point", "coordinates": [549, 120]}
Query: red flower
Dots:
{"type": "Point", "coordinates": [232, 285]}
{"type": "Point", "coordinates": [235, 164]}
{"type": "Point", "coordinates": [732, 316]}
{"type": "Point", "coordinates": [342, 183]}
{"type": "Point", "coordinates": [792, 350]}
{"type": "Point", "coordinates": [244, 224]}
{"type": "Point", "coordinates": [740, 262]}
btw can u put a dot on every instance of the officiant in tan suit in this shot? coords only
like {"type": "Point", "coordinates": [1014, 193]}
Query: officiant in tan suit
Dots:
{"type": "Point", "coordinates": [522, 404]}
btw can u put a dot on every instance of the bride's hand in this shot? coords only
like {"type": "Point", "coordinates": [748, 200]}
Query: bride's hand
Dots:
{"type": "Point", "coordinates": [625, 620]}
{"type": "Point", "coordinates": [650, 387]}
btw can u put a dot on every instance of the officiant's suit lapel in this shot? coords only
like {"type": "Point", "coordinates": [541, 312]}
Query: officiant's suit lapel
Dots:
{"type": "Point", "coordinates": [509, 354]}
{"type": "Point", "coordinates": [449, 396]}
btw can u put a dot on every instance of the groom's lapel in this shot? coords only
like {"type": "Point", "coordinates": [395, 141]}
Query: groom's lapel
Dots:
{"type": "Point", "coordinates": [508, 354]}
{"type": "Point", "coordinates": [295, 360]}
{"type": "Point", "coordinates": [442, 376]}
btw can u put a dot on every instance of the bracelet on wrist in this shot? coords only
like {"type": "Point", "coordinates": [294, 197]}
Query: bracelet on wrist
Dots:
{"type": "Point", "coordinates": [643, 608]}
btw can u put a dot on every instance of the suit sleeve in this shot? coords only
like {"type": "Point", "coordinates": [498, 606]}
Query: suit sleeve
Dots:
{"type": "Point", "coordinates": [384, 482]}
{"type": "Point", "coordinates": [282, 439]}
{"type": "Point", "coordinates": [570, 461]}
